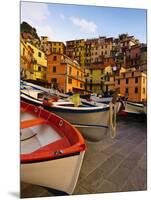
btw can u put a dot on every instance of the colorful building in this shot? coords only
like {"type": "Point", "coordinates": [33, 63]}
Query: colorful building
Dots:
{"type": "Point", "coordinates": [65, 74]}
{"type": "Point", "coordinates": [26, 60]}
{"type": "Point", "coordinates": [98, 49]}
{"type": "Point", "coordinates": [133, 84]}
{"type": "Point", "coordinates": [75, 49]}
{"type": "Point", "coordinates": [120, 46]}
{"type": "Point", "coordinates": [39, 64]}
{"type": "Point", "coordinates": [94, 80]}
{"type": "Point", "coordinates": [133, 56]}
{"type": "Point", "coordinates": [51, 46]}
{"type": "Point", "coordinates": [143, 58]}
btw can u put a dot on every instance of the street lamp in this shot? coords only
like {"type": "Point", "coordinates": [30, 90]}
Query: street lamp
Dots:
{"type": "Point", "coordinates": [114, 68]}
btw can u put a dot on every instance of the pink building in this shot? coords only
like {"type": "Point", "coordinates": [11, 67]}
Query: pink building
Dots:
{"type": "Point", "coordinates": [133, 56]}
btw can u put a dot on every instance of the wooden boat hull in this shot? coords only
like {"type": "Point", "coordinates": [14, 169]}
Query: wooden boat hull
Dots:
{"type": "Point", "coordinates": [52, 149]}
{"type": "Point", "coordinates": [134, 108]}
{"type": "Point", "coordinates": [60, 174]}
{"type": "Point", "coordinates": [93, 124]}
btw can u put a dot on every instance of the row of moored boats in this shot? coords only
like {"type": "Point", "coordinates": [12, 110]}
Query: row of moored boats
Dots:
{"type": "Point", "coordinates": [53, 128]}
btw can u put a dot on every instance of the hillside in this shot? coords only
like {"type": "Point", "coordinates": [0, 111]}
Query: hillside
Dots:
{"type": "Point", "coordinates": [26, 28]}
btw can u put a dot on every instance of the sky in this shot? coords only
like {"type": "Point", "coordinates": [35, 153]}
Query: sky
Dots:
{"type": "Point", "coordinates": [63, 22]}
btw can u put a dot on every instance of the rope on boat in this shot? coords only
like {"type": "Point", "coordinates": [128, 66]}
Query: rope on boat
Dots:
{"type": "Point", "coordinates": [29, 137]}
{"type": "Point", "coordinates": [112, 120]}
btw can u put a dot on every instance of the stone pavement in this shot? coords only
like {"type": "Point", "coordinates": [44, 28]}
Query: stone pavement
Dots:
{"type": "Point", "coordinates": [110, 165]}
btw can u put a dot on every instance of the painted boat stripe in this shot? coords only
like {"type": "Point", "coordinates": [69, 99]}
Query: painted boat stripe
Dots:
{"type": "Point", "coordinates": [67, 110]}
{"type": "Point", "coordinates": [133, 104]}
{"type": "Point", "coordinates": [90, 125]}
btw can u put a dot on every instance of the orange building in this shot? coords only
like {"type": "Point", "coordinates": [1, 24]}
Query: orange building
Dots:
{"type": "Point", "coordinates": [133, 84]}
{"type": "Point", "coordinates": [65, 73]}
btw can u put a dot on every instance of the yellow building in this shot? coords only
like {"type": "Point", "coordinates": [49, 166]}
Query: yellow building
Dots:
{"type": "Point", "coordinates": [75, 49]}
{"type": "Point", "coordinates": [51, 46]}
{"type": "Point", "coordinates": [39, 64]}
{"type": "Point", "coordinates": [94, 78]}
{"type": "Point", "coordinates": [65, 73]}
{"type": "Point", "coordinates": [26, 60]}
{"type": "Point", "coordinates": [57, 47]}
{"type": "Point", "coordinates": [133, 84]}
{"type": "Point", "coordinates": [101, 80]}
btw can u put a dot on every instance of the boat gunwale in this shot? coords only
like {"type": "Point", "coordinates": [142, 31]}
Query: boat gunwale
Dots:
{"type": "Point", "coordinates": [135, 104]}
{"type": "Point", "coordinates": [78, 146]}
{"type": "Point", "coordinates": [69, 108]}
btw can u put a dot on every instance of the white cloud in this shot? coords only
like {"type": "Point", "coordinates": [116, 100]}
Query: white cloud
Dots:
{"type": "Point", "coordinates": [31, 11]}
{"type": "Point", "coordinates": [45, 30]}
{"type": "Point", "coordinates": [62, 17]}
{"type": "Point", "coordinates": [37, 15]}
{"type": "Point", "coordinates": [85, 25]}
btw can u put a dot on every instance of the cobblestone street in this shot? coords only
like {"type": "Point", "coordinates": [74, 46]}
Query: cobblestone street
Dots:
{"type": "Point", "coordinates": [110, 165]}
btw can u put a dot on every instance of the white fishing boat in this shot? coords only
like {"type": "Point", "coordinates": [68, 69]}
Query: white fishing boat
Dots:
{"type": "Point", "coordinates": [106, 100]}
{"type": "Point", "coordinates": [93, 121]}
{"type": "Point", "coordinates": [52, 150]}
{"type": "Point", "coordinates": [135, 108]}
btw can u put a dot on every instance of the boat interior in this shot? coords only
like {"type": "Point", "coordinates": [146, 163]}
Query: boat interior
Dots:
{"type": "Point", "coordinates": [45, 135]}
{"type": "Point", "coordinates": [39, 136]}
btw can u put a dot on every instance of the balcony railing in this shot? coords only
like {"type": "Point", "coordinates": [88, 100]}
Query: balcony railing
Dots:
{"type": "Point", "coordinates": [77, 77]}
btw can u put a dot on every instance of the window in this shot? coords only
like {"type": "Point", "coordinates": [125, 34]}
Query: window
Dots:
{"type": "Point", "coordinates": [127, 80]}
{"type": "Point", "coordinates": [105, 52]}
{"type": "Point", "coordinates": [54, 80]}
{"type": "Point", "coordinates": [39, 69]}
{"type": "Point", "coordinates": [143, 80]}
{"type": "Point", "coordinates": [23, 51]}
{"type": "Point", "coordinates": [70, 70]}
{"type": "Point", "coordinates": [136, 79]}
{"type": "Point", "coordinates": [39, 54]}
{"type": "Point", "coordinates": [77, 73]}
{"type": "Point", "coordinates": [90, 84]}
{"type": "Point", "coordinates": [55, 58]}
{"type": "Point", "coordinates": [136, 55]}
{"type": "Point", "coordinates": [54, 50]}
{"type": "Point", "coordinates": [136, 90]}
{"type": "Point", "coordinates": [81, 85]}
{"type": "Point", "coordinates": [144, 91]}
{"type": "Point", "coordinates": [126, 91]}
{"type": "Point", "coordinates": [118, 81]}
{"type": "Point", "coordinates": [54, 69]}
{"type": "Point", "coordinates": [132, 74]}
{"type": "Point", "coordinates": [69, 80]}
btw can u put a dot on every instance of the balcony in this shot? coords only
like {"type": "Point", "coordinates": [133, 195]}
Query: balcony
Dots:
{"type": "Point", "coordinates": [77, 78]}
{"type": "Point", "coordinates": [109, 82]}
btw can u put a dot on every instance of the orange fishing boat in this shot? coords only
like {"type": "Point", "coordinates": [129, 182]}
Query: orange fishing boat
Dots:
{"type": "Point", "coordinates": [52, 149]}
